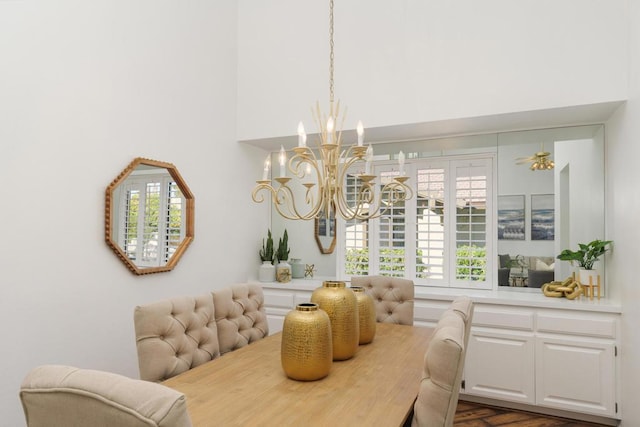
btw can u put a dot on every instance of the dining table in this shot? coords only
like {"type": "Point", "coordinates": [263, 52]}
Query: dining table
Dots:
{"type": "Point", "coordinates": [248, 387]}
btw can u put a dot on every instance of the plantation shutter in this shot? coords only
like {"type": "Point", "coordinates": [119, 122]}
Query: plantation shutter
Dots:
{"type": "Point", "coordinates": [356, 237]}
{"type": "Point", "coordinates": [440, 237]}
{"type": "Point", "coordinates": [391, 234]}
{"type": "Point", "coordinates": [471, 221]}
{"type": "Point", "coordinates": [153, 213]}
{"type": "Point", "coordinates": [431, 223]}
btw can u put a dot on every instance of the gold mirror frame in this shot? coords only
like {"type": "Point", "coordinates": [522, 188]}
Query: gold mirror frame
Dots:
{"type": "Point", "coordinates": [325, 231]}
{"type": "Point", "coordinates": [111, 204]}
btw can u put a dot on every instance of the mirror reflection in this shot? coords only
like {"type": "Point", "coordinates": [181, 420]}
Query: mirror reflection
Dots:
{"type": "Point", "coordinates": [556, 208]}
{"type": "Point", "coordinates": [550, 197]}
{"type": "Point", "coordinates": [325, 231]}
{"type": "Point", "coordinates": [149, 216]}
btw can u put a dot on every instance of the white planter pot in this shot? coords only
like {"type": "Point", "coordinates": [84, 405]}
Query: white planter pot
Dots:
{"type": "Point", "coordinates": [585, 275]}
{"type": "Point", "coordinates": [267, 272]}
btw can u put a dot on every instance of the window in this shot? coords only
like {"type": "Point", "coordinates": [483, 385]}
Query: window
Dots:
{"type": "Point", "coordinates": [441, 237]}
{"type": "Point", "coordinates": [152, 206]}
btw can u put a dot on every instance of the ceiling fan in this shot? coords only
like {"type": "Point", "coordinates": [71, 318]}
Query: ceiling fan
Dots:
{"type": "Point", "coordinates": [539, 161]}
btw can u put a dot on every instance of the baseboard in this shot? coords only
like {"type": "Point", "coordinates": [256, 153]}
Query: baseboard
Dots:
{"type": "Point", "coordinates": [541, 410]}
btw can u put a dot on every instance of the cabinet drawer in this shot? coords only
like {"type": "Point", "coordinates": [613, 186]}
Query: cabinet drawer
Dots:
{"type": "Point", "coordinates": [279, 299]}
{"type": "Point", "coordinates": [495, 317]}
{"type": "Point", "coordinates": [584, 325]}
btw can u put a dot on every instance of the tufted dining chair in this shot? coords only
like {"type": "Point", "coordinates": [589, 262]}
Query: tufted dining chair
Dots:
{"type": "Point", "coordinates": [55, 395]}
{"type": "Point", "coordinates": [240, 316]}
{"type": "Point", "coordinates": [393, 297]}
{"type": "Point", "coordinates": [443, 366]}
{"type": "Point", "coordinates": [464, 307]}
{"type": "Point", "coordinates": [175, 335]}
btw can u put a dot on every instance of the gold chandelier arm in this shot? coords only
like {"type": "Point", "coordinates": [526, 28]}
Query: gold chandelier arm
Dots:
{"type": "Point", "coordinates": [256, 194]}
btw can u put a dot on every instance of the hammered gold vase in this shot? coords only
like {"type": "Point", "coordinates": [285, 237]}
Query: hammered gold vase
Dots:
{"type": "Point", "coordinates": [366, 315]}
{"type": "Point", "coordinates": [342, 307]}
{"type": "Point", "coordinates": [307, 351]}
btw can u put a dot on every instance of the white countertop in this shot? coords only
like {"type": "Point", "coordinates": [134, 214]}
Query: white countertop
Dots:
{"type": "Point", "coordinates": [508, 296]}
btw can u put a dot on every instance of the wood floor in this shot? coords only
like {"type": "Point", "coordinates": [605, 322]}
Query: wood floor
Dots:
{"type": "Point", "coordinates": [475, 415]}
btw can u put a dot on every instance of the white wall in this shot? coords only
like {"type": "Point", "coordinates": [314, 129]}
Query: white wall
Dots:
{"type": "Point", "coordinates": [623, 205]}
{"type": "Point", "coordinates": [84, 88]}
{"type": "Point", "coordinates": [418, 61]}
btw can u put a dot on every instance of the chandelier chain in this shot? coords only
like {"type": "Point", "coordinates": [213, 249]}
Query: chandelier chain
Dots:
{"type": "Point", "coordinates": [331, 51]}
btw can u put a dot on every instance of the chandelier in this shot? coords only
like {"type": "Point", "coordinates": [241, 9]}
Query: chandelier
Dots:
{"type": "Point", "coordinates": [322, 172]}
{"type": "Point", "coordinates": [540, 161]}
{"type": "Point", "coordinates": [543, 163]}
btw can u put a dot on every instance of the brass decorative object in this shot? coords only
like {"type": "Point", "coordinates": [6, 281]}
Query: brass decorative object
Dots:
{"type": "Point", "coordinates": [341, 305]}
{"type": "Point", "coordinates": [306, 353]}
{"type": "Point", "coordinates": [325, 168]}
{"type": "Point", "coordinates": [308, 270]}
{"type": "Point", "coordinates": [366, 315]}
{"type": "Point", "coordinates": [568, 288]}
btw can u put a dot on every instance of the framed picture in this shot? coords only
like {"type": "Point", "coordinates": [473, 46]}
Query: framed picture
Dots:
{"type": "Point", "coordinates": [543, 223]}
{"type": "Point", "coordinates": [511, 217]}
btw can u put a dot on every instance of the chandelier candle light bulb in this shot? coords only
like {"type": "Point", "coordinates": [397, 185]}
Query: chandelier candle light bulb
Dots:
{"type": "Point", "coordinates": [368, 158]}
{"type": "Point", "coordinates": [360, 131]}
{"type": "Point", "coordinates": [302, 136]}
{"type": "Point", "coordinates": [283, 160]}
{"type": "Point", "coordinates": [267, 166]}
{"type": "Point", "coordinates": [330, 126]}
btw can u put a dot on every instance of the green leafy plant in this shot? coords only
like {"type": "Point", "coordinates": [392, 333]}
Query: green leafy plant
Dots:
{"type": "Point", "coordinates": [517, 262]}
{"type": "Point", "coordinates": [266, 253]}
{"type": "Point", "coordinates": [587, 255]}
{"type": "Point", "coordinates": [471, 263]}
{"type": "Point", "coordinates": [391, 262]}
{"type": "Point", "coordinates": [283, 247]}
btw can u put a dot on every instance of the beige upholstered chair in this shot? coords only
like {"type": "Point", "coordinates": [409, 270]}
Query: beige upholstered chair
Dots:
{"type": "Point", "coordinates": [464, 307]}
{"type": "Point", "coordinates": [175, 335]}
{"type": "Point", "coordinates": [392, 296]}
{"type": "Point", "coordinates": [240, 316]}
{"type": "Point", "coordinates": [63, 396]}
{"type": "Point", "coordinates": [444, 362]}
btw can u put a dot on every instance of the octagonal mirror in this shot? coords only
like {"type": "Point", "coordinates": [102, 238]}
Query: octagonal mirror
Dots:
{"type": "Point", "coordinates": [149, 216]}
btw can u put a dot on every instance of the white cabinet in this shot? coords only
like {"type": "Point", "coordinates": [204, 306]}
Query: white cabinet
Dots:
{"type": "Point", "coordinates": [500, 366]}
{"type": "Point", "coordinates": [500, 355]}
{"type": "Point", "coordinates": [561, 359]}
{"type": "Point", "coordinates": [280, 299]}
{"type": "Point", "coordinates": [576, 362]}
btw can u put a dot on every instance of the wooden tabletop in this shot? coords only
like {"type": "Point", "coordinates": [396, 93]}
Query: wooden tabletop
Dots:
{"type": "Point", "coordinates": [247, 387]}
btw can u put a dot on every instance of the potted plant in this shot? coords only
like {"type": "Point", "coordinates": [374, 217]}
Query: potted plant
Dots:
{"type": "Point", "coordinates": [283, 269]}
{"type": "Point", "coordinates": [585, 257]}
{"type": "Point", "coordinates": [267, 272]}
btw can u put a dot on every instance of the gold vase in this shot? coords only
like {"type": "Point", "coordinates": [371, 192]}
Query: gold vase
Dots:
{"type": "Point", "coordinates": [366, 315]}
{"type": "Point", "coordinates": [342, 307]}
{"type": "Point", "coordinates": [306, 352]}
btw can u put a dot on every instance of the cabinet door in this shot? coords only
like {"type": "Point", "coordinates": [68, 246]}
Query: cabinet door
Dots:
{"type": "Point", "coordinates": [577, 375]}
{"type": "Point", "coordinates": [500, 365]}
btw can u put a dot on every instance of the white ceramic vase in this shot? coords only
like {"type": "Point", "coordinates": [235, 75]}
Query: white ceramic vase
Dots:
{"type": "Point", "coordinates": [267, 272]}
{"type": "Point", "coordinates": [297, 268]}
{"type": "Point", "coordinates": [283, 272]}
